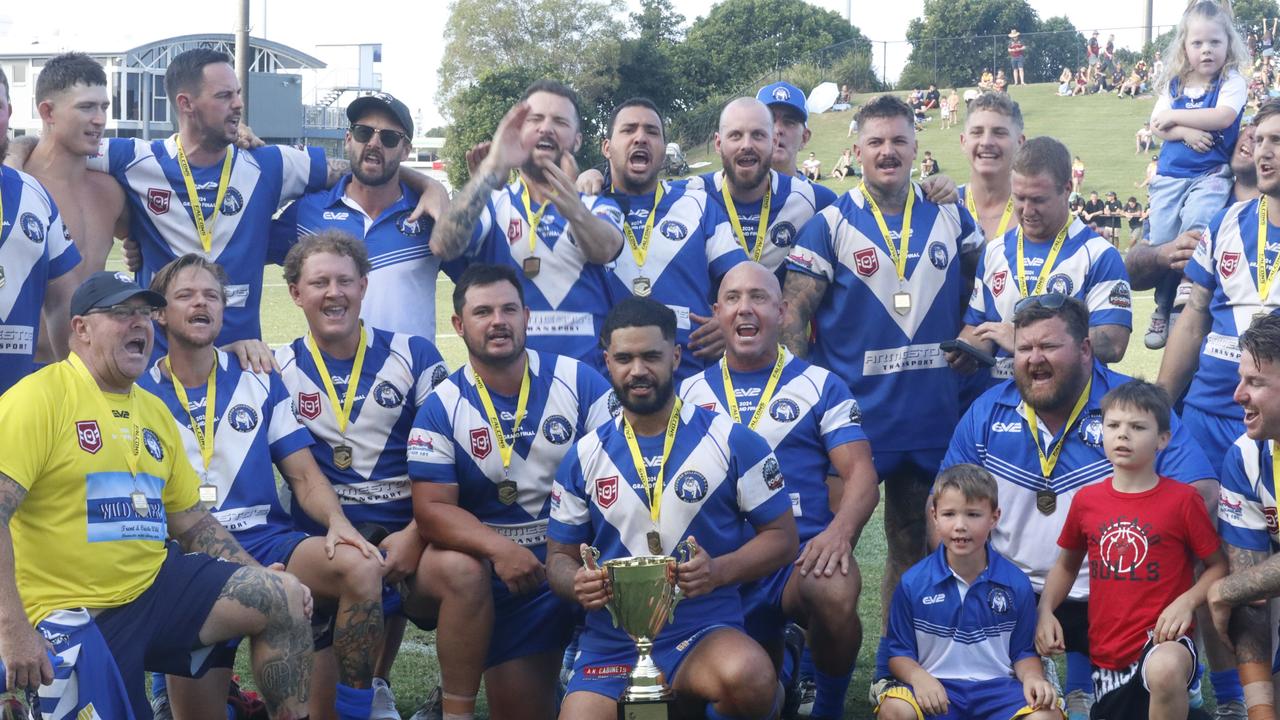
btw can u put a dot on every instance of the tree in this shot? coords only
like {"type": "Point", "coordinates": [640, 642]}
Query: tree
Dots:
{"type": "Point", "coordinates": [480, 109]}
{"type": "Point", "coordinates": [1055, 44]}
{"type": "Point", "coordinates": [646, 64]}
{"type": "Point", "coordinates": [1251, 13]}
{"type": "Point", "coordinates": [956, 40]}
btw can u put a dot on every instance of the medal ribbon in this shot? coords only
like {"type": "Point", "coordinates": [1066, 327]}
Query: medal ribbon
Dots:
{"type": "Point", "coordinates": [534, 219]}
{"type": "Point", "coordinates": [1049, 260]}
{"type": "Point", "coordinates": [1004, 218]}
{"type": "Point", "coordinates": [131, 455]}
{"type": "Point", "coordinates": [504, 447]}
{"type": "Point", "coordinates": [203, 433]}
{"type": "Point", "coordinates": [640, 250]}
{"type": "Point", "coordinates": [737, 223]}
{"type": "Point", "coordinates": [1048, 463]}
{"type": "Point", "coordinates": [732, 401]}
{"type": "Point", "coordinates": [653, 488]}
{"type": "Point", "coordinates": [343, 410]}
{"type": "Point", "coordinates": [899, 256]}
{"type": "Point", "coordinates": [204, 229]}
{"type": "Point", "coordinates": [1275, 472]}
{"type": "Point", "coordinates": [1265, 275]}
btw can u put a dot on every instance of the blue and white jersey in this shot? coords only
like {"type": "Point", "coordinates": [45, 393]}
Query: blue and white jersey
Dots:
{"type": "Point", "coordinates": [692, 246]}
{"type": "Point", "coordinates": [35, 248]}
{"type": "Point", "coordinates": [399, 371]}
{"type": "Point", "coordinates": [719, 474]}
{"type": "Point", "coordinates": [810, 414]}
{"type": "Point", "coordinates": [890, 359]}
{"type": "Point", "coordinates": [568, 297]}
{"type": "Point", "coordinates": [399, 251]}
{"type": "Point", "coordinates": [160, 217]}
{"type": "Point", "coordinates": [1225, 262]}
{"type": "Point", "coordinates": [792, 202]}
{"type": "Point", "coordinates": [1087, 268]}
{"type": "Point", "coordinates": [994, 434]}
{"type": "Point", "coordinates": [452, 443]}
{"type": "Point", "coordinates": [958, 631]}
{"type": "Point", "coordinates": [1177, 159]}
{"type": "Point", "coordinates": [1247, 497]}
{"type": "Point", "coordinates": [253, 427]}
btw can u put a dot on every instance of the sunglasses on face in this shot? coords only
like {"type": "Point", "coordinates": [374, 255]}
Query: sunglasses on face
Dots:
{"type": "Point", "coordinates": [389, 138]}
{"type": "Point", "coordinates": [1048, 301]}
{"type": "Point", "coordinates": [123, 312]}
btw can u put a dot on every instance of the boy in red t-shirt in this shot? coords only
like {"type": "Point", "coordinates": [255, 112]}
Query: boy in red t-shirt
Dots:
{"type": "Point", "coordinates": [1142, 534]}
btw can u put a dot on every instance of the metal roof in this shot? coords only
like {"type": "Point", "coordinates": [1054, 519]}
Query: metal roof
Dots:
{"type": "Point", "coordinates": [268, 56]}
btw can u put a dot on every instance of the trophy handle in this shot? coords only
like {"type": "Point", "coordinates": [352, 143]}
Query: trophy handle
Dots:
{"type": "Point", "coordinates": [591, 557]}
{"type": "Point", "coordinates": [684, 552]}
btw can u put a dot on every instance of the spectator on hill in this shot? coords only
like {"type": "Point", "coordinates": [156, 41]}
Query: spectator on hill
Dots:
{"type": "Point", "coordinates": [1082, 82]}
{"type": "Point", "coordinates": [1077, 174]}
{"type": "Point", "coordinates": [844, 165]}
{"type": "Point", "coordinates": [812, 167]}
{"type": "Point", "coordinates": [987, 81]}
{"type": "Point", "coordinates": [1002, 83]}
{"type": "Point", "coordinates": [1132, 86]}
{"type": "Point", "coordinates": [928, 166]}
{"type": "Point", "coordinates": [1144, 140]}
{"type": "Point", "coordinates": [1152, 167]}
{"type": "Point", "coordinates": [932, 98]}
{"type": "Point", "coordinates": [1135, 213]}
{"type": "Point", "coordinates": [1092, 50]}
{"type": "Point", "coordinates": [1076, 202]}
{"type": "Point", "coordinates": [1016, 59]}
{"type": "Point", "coordinates": [844, 101]}
{"type": "Point", "coordinates": [1093, 209]}
{"type": "Point", "coordinates": [953, 105]}
{"type": "Point", "coordinates": [1112, 215]}
{"type": "Point", "coordinates": [1066, 81]}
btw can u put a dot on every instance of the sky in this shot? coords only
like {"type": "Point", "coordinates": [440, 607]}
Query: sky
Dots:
{"type": "Point", "coordinates": [412, 34]}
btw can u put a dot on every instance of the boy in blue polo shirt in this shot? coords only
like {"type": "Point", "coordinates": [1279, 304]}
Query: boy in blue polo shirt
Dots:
{"type": "Point", "coordinates": [961, 633]}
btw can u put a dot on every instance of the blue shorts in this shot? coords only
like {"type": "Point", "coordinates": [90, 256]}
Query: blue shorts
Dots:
{"type": "Point", "coordinates": [605, 672]}
{"type": "Point", "coordinates": [762, 612]}
{"type": "Point", "coordinates": [1215, 433]}
{"type": "Point", "coordinates": [923, 462]}
{"type": "Point", "coordinates": [277, 548]}
{"type": "Point", "coordinates": [530, 624]}
{"type": "Point", "coordinates": [160, 629]}
{"type": "Point", "coordinates": [998, 699]}
{"type": "Point", "coordinates": [1182, 204]}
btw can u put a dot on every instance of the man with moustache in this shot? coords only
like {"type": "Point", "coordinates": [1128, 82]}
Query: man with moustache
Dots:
{"type": "Point", "coordinates": [880, 301]}
{"type": "Point", "coordinates": [37, 259]}
{"type": "Point", "coordinates": [493, 507]}
{"type": "Point", "coordinates": [1040, 435]}
{"type": "Point", "coordinates": [807, 416]}
{"type": "Point", "coordinates": [558, 239]}
{"type": "Point", "coordinates": [679, 243]}
{"type": "Point", "coordinates": [668, 474]}
{"type": "Point", "coordinates": [372, 203]}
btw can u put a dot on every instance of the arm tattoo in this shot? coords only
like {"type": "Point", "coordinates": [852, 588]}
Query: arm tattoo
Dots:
{"type": "Point", "coordinates": [1200, 298]}
{"type": "Point", "coordinates": [802, 293]}
{"type": "Point", "coordinates": [337, 168]}
{"type": "Point", "coordinates": [1143, 266]}
{"type": "Point", "coordinates": [1106, 346]}
{"type": "Point", "coordinates": [1249, 625]}
{"type": "Point", "coordinates": [357, 636]}
{"type": "Point", "coordinates": [207, 536]}
{"type": "Point", "coordinates": [11, 496]}
{"type": "Point", "coordinates": [454, 231]}
{"type": "Point", "coordinates": [1259, 582]}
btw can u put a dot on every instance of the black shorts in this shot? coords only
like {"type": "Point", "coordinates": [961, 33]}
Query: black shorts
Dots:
{"type": "Point", "coordinates": [1073, 616]}
{"type": "Point", "coordinates": [1122, 694]}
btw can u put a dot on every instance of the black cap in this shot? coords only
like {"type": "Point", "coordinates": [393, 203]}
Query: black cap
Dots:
{"type": "Point", "coordinates": [385, 102]}
{"type": "Point", "coordinates": [104, 289]}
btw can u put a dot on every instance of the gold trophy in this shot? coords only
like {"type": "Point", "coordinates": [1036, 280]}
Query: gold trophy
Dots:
{"type": "Point", "coordinates": [643, 596]}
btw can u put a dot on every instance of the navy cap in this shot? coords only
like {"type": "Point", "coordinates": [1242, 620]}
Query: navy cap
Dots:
{"type": "Point", "coordinates": [784, 93]}
{"type": "Point", "coordinates": [385, 102]}
{"type": "Point", "coordinates": [104, 289]}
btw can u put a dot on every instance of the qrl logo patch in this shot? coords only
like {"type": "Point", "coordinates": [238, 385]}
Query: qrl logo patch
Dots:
{"type": "Point", "coordinates": [998, 282]}
{"type": "Point", "coordinates": [309, 405]}
{"type": "Point", "coordinates": [607, 491]}
{"type": "Point", "coordinates": [514, 230]}
{"type": "Point", "coordinates": [1228, 264]}
{"type": "Point", "coordinates": [89, 436]}
{"type": "Point", "coordinates": [480, 444]}
{"type": "Point", "coordinates": [1270, 514]}
{"type": "Point", "coordinates": [866, 262]}
{"type": "Point", "coordinates": [158, 200]}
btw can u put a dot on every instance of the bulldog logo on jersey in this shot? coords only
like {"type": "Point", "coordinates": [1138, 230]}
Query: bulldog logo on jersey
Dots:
{"type": "Point", "coordinates": [515, 229]}
{"type": "Point", "coordinates": [1091, 431]}
{"type": "Point", "coordinates": [999, 600]}
{"type": "Point", "coordinates": [772, 474]}
{"type": "Point", "coordinates": [152, 444]}
{"type": "Point", "coordinates": [309, 405]}
{"type": "Point", "coordinates": [32, 227]}
{"type": "Point", "coordinates": [158, 200]}
{"type": "Point", "coordinates": [673, 230]}
{"type": "Point", "coordinates": [855, 412]}
{"type": "Point", "coordinates": [938, 255]}
{"type": "Point", "coordinates": [866, 262]}
{"type": "Point", "coordinates": [615, 405]}
{"type": "Point", "coordinates": [557, 430]}
{"type": "Point", "coordinates": [998, 282]}
{"type": "Point", "coordinates": [89, 436]}
{"type": "Point", "coordinates": [386, 395]}
{"type": "Point", "coordinates": [481, 444]}
{"type": "Point", "coordinates": [691, 486]}
{"type": "Point", "coordinates": [410, 228]}
{"type": "Point", "coordinates": [1120, 296]}
{"type": "Point", "coordinates": [232, 202]}
{"type": "Point", "coordinates": [784, 410]}
{"type": "Point", "coordinates": [438, 375]}
{"type": "Point", "coordinates": [607, 491]}
{"type": "Point", "coordinates": [1060, 283]}
{"type": "Point", "coordinates": [783, 234]}
{"type": "Point", "coordinates": [1228, 264]}
{"type": "Point", "coordinates": [242, 418]}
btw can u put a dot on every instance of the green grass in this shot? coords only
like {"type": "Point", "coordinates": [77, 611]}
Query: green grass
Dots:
{"type": "Point", "coordinates": [1098, 128]}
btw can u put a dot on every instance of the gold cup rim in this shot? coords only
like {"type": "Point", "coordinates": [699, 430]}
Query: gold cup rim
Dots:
{"type": "Point", "coordinates": [639, 561]}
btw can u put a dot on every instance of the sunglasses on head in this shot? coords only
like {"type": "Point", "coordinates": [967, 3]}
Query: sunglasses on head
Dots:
{"type": "Point", "coordinates": [1048, 301]}
{"type": "Point", "coordinates": [389, 138]}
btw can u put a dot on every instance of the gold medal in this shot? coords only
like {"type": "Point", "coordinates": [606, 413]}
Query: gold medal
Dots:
{"type": "Point", "coordinates": [507, 492]}
{"type": "Point", "coordinates": [902, 302]}
{"type": "Point", "coordinates": [641, 287]}
{"type": "Point", "coordinates": [139, 503]}
{"type": "Point", "coordinates": [209, 495]}
{"type": "Point", "coordinates": [655, 542]}
{"type": "Point", "coordinates": [342, 457]}
{"type": "Point", "coordinates": [531, 266]}
{"type": "Point", "coordinates": [1046, 501]}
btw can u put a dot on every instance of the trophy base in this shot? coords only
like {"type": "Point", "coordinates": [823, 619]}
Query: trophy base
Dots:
{"type": "Point", "coordinates": [644, 709]}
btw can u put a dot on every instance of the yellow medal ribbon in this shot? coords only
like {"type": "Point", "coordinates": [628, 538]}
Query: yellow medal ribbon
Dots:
{"type": "Point", "coordinates": [761, 229]}
{"type": "Point", "coordinates": [899, 256]}
{"type": "Point", "coordinates": [653, 488]}
{"type": "Point", "coordinates": [1275, 472]}
{"type": "Point", "coordinates": [343, 410]}
{"type": "Point", "coordinates": [131, 455]}
{"type": "Point", "coordinates": [203, 433]}
{"type": "Point", "coordinates": [204, 228]}
{"type": "Point", "coordinates": [504, 447]}
{"type": "Point", "coordinates": [1047, 463]}
{"type": "Point", "coordinates": [1046, 269]}
{"type": "Point", "coordinates": [640, 249]}
{"type": "Point", "coordinates": [1265, 274]}
{"type": "Point", "coordinates": [732, 401]}
{"type": "Point", "coordinates": [534, 219]}
{"type": "Point", "coordinates": [1004, 219]}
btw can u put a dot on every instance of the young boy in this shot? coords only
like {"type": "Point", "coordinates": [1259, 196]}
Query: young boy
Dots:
{"type": "Point", "coordinates": [961, 623]}
{"type": "Point", "coordinates": [1142, 533]}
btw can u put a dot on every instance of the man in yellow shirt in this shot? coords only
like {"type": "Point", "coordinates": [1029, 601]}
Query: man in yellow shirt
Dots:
{"type": "Point", "coordinates": [93, 483]}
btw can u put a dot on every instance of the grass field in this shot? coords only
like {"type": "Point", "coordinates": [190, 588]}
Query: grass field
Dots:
{"type": "Point", "coordinates": [1098, 128]}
